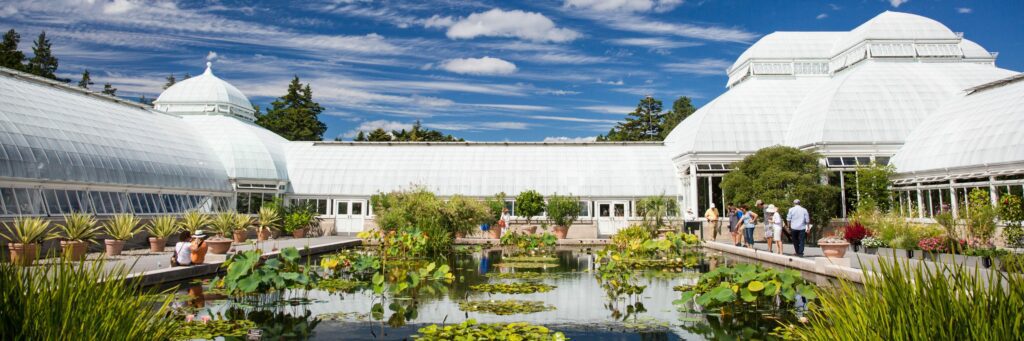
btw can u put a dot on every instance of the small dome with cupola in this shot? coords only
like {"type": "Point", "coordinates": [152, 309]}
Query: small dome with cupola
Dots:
{"type": "Point", "coordinates": [205, 94]}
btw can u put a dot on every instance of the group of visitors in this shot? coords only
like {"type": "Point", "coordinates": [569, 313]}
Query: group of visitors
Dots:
{"type": "Point", "coordinates": [743, 221]}
{"type": "Point", "coordinates": [190, 249]}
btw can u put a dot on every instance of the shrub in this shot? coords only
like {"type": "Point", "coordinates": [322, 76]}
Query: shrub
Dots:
{"type": "Point", "coordinates": [162, 226]}
{"type": "Point", "coordinates": [631, 234]}
{"type": "Point", "coordinates": [495, 205]}
{"type": "Point", "coordinates": [529, 204]}
{"type": "Point", "coordinates": [192, 221]}
{"type": "Point", "coordinates": [415, 208]}
{"type": "Point", "coordinates": [563, 210]}
{"type": "Point", "coordinates": [80, 227]}
{"type": "Point", "coordinates": [654, 210]}
{"type": "Point", "coordinates": [1011, 212]}
{"type": "Point", "coordinates": [462, 214]}
{"type": "Point", "coordinates": [855, 232]}
{"type": "Point", "coordinates": [980, 216]}
{"type": "Point", "coordinates": [122, 226]}
{"type": "Point", "coordinates": [29, 231]}
{"type": "Point", "coordinates": [932, 244]}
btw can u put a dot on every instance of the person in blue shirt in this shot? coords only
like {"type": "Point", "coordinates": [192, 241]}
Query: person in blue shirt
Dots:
{"type": "Point", "coordinates": [800, 223]}
{"type": "Point", "coordinates": [749, 222]}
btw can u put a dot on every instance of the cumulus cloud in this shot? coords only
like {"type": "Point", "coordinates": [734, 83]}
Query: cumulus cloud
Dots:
{"type": "Point", "coordinates": [510, 24]}
{"type": "Point", "coordinates": [624, 5]}
{"type": "Point", "coordinates": [618, 82]}
{"type": "Point", "coordinates": [699, 67]}
{"type": "Point", "coordinates": [564, 139]}
{"type": "Point", "coordinates": [479, 66]}
{"type": "Point", "coordinates": [211, 56]}
{"type": "Point", "coordinates": [438, 21]}
{"type": "Point", "coordinates": [964, 10]}
{"type": "Point", "coordinates": [897, 3]}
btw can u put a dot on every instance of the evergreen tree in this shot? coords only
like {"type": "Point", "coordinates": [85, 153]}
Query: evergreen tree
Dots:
{"type": "Point", "coordinates": [170, 81]}
{"type": "Point", "coordinates": [146, 101]}
{"type": "Point", "coordinates": [359, 137]}
{"type": "Point", "coordinates": [681, 109]}
{"type": "Point", "coordinates": [86, 80]}
{"type": "Point", "coordinates": [295, 116]}
{"type": "Point", "coordinates": [186, 76]}
{"type": "Point", "coordinates": [418, 134]}
{"type": "Point", "coordinates": [379, 135]}
{"type": "Point", "coordinates": [43, 63]}
{"type": "Point", "coordinates": [109, 89]}
{"type": "Point", "coordinates": [10, 56]}
{"type": "Point", "coordinates": [643, 124]}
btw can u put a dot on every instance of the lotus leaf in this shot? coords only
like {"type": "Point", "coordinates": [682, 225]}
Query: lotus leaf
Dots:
{"type": "Point", "coordinates": [512, 288]}
{"type": "Point", "coordinates": [505, 307]}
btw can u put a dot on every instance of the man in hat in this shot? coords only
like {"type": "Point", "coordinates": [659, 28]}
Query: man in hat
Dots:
{"type": "Point", "coordinates": [711, 216]}
{"type": "Point", "coordinates": [199, 247]}
{"type": "Point", "coordinates": [800, 223]}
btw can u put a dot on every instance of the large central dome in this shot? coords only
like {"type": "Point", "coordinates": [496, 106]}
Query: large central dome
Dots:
{"type": "Point", "coordinates": [205, 94]}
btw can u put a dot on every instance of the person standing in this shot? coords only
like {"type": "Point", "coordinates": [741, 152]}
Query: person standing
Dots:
{"type": "Point", "coordinates": [734, 219]}
{"type": "Point", "coordinates": [711, 216]}
{"type": "Point", "coordinates": [198, 248]}
{"type": "Point", "coordinates": [773, 228]}
{"type": "Point", "coordinates": [800, 223]}
{"type": "Point", "coordinates": [749, 222]}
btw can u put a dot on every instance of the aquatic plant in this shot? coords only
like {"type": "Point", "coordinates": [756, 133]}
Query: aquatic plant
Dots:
{"type": "Point", "coordinates": [338, 285]}
{"type": "Point", "coordinates": [209, 330]}
{"type": "Point", "coordinates": [512, 288]}
{"type": "Point", "coordinates": [529, 242]}
{"type": "Point", "coordinates": [744, 286]}
{"type": "Point", "coordinates": [528, 259]}
{"type": "Point", "coordinates": [615, 275]}
{"type": "Point", "coordinates": [633, 234]}
{"type": "Point", "coordinates": [534, 276]}
{"type": "Point", "coordinates": [248, 274]}
{"type": "Point", "coordinates": [902, 302]}
{"type": "Point", "coordinates": [526, 265]}
{"type": "Point", "coordinates": [505, 307]}
{"type": "Point", "coordinates": [471, 330]}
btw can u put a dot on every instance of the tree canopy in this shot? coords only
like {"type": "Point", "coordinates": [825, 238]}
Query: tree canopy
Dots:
{"type": "Point", "coordinates": [778, 175]}
{"type": "Point", "coordinates": [86, 80]}
{"type": "Point", "coordinates": [109, 89]}
{"type": "Point", "coordinates": [43, 63]}
{"type": "Point", "coordinates": [10, 56]}
{"type": "Point", "coordinates": [294, 116]}
{"type": "Point", "coordinates": [648, 122]}
{"type": "Point", "coordinates": [416, 134]}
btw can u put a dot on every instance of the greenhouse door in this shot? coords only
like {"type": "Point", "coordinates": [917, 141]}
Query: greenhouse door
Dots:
{"type": "Point", "coordinates": [611, 216]}
{"type": "Point", "coordinates": [348, 218]}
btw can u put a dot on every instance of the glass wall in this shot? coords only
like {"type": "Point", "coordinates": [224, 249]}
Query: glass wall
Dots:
{"type": "Point", "coordinates": [56, 202]}
{"type": "Point", "coordinates": [250, 202]}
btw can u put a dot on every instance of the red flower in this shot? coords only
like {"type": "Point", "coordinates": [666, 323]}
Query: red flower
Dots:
{"type": "Point", "coordinates": [854, 232]}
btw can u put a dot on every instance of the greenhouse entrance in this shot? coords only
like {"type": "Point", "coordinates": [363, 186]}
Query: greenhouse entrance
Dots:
{"type": "Point", "coordinates": [611, 216]}
{"type": "Point", "coordinates": [349, 216]}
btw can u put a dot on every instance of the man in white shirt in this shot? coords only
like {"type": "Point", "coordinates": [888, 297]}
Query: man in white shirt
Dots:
{"type": "Point", "coordinates": [800, 223]}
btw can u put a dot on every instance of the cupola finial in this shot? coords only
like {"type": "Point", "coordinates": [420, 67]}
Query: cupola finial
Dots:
{"type": "Point", "coordinates": [208, 65]}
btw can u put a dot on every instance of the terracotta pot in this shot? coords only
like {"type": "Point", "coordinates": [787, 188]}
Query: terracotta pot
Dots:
{"type": "Point", "coordinates": [240, 236]}
{"type": "Point", "coordinates": [114, 247]}
{"type": "Point", "coordinates": [495, 232]}
{"type": "Point", "coordinates": [157, 244]}
{"type": "Point", "coordinates": [531, 230]}
{"type": "Point", "coordinates": [23, 254]}
{"type": "Point", "coordinates": [834, 250]}
{"type": "Point", "coordinates": [300, 233]}
{"type": "Point", "coordinates": [73, 249]}
{"type": "Point", "coordinates": [263, 235]}
{"type": "Point", "coordinates": [460, 235]}
{"type": "Point", "coordinates": [219, 246]}
{"type": "Point", "coordinates": [561, 232]}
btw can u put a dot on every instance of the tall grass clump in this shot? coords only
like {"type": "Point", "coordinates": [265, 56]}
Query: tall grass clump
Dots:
{"type": "Point", "coordinates": [71, 300]}
{"type": "Point", "coordinates": [903, 302]}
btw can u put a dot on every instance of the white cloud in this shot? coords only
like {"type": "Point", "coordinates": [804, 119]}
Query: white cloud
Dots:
{"type": "Point", "coordinates": [566, 58]}
{"type": "Point", "coordinates": [510, 24]}
{"type": "Point", "coordinates": [964, 10]}
{"type": "Point", "coordinates": [654, 43]}
{"type": "Point", "coordinates": [438, 21]}
{"type": "Point", "coordinates": [897, 3]}
{"type": "Point", "coordinates": [119, 7]}
{"type": "Point", "coordinates": [564, 139]}
{"type": "Point", "coordinates": [569, 119]}
{"type": "Point", "coordinates": [369, 126]}
{"type": "Point", "coordinates": [624, 5]}
{"type": "Point", "coordinates": [609, 109]}
{"type": "Point", "coordinates": [821, 16]}
{"type": "Point", "coordinates": [478, 126]}
{"type": "Point", "coordinates": [211, 56]}
{"type": "Point", "coordinates": [517, 107]}
{"type": "Point", "coordinates": [699, 67]}
{"type": "Point", "coordinates": [557, 92]}
{"type": "Point", "coordinates": [618, 82]}
{"type": "Point", "coordinates": [479, 66]}
{"type": "Point", "coordinates": [8, 11]}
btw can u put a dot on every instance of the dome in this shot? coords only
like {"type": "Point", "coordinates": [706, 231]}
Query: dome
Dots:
{"type": "Point", "coordinates": [205, 94]}
{"type": "Point", "coordinates": [980, 129]}
{"type": "Point", "coordinates": [790, 45]}
{"type": "Point", "coordinates": [247, 151]}
{"type": "Point", "coordinates": [880, 101]}
{"type": "Point", "coordinates": [974, 51]}
{"type": "Point", "coordinates": [896, 26]}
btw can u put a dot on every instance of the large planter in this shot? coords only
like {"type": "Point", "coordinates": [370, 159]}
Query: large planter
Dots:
{"type": "Point", "coordinates": [219, 246]}
{"type": "Point", "coordinates": [561, 232]}
{"type": "Point", "coordinates": [157, 244]}
{"type": "Point", "coordinates": [263, 234]}
{"type": "Point", "coordinates": [74, 249]}
{"type": "Point", "coordinates": [531, 229]}
{"type": "Point", "coordinates": [240, 236]}
{"type": "Point", "coordinates": [23, 254]}
{"type": "Point", "coordinates": [887, 252]}
{"type": "Point", "coordinates": [495, 232]}
{"type": "Point", "coordinates": [871, 250]}
{"type": "Point", "coordinates": [114, 247]}
{"type": "Point", "coordinates": [300, 233]}
{"type": "Point", "coordinates": [834, 250]}
{"type": "Point", "coordinates": [930, 255]}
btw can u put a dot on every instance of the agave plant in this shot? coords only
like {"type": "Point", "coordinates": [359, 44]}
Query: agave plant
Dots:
{"type": "Point", "coordinates": [122, 226]}
{"type": "Point", "coordinates": [223, 223]}
{"type": "Point", "coordinates": [29, 231]}
{"type": "Point", "coordinates": [163, 226]}
{"type": "Point", "coordinates": [241, 222]}
{"type": "Point", "coordinates": [194, 220]}
{"type": "Point", "coordinates": [267, 218]}
{"type": "Point", "coordinates": [79, 227]}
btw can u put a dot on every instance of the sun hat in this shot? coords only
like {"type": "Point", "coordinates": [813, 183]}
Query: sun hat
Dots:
{"type": "Point", "coordinates": [712, 205]}
{"type": "Point", "coordinates": [199, 234]}
{"type": "Point", "coordinates": [759, 202]}
{"type": "Point", "coordinates": [771, 208]}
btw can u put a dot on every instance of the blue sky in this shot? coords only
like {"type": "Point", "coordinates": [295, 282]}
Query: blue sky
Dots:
{"type": "Point", "coordinates": [482, 70]}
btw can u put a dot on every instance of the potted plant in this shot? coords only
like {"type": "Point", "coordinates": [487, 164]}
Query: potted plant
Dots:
{"type": "Point", "coordinates": [224, 224]}
{"type": "Point", "coordinates": [78, 230]}
{"type": "Point", "coordinates": [161, 228]}
{"type": "Point", "coordinates": [266, 220]}
{"type": "Point", "coordinates": [193, 221]}
{"type": "Point", "coordinates": [495, 205]}
{"type": "Point", "coordinates": [240, 230]}
{"type": "Point", "coordinates": [529, 204]}
{"type": "Point", "coordinates": [833, 247]}
{"type": "Point", "coordinates": [462, 214]}
{"type": "Point", "coordinates": [563, 211]}
{"type": "Point", "coordinates": [120, 228]}
{"type": "Point", "coordinates": [871, 245]}
{"type": "Point", "coordinates": [854, 233]}
{"type": "Point", "coordinates": [296, 223]}
{"type": "Point", "coordinates": [931, 246]}
{"type": "Point", "coordinates": [25, 236]}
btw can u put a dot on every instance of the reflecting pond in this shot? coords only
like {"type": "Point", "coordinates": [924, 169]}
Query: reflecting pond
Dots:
{"type": "Point", "coordinates": [582, 310]}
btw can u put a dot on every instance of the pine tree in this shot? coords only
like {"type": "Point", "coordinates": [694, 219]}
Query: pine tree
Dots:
{"type": "Point", "coordinates": [419, 134]}
{"type": "Point", "coordinates": [109, 89]}
{"type": "Point", "coordinates": [43, 63]}
{"type": "Point", "coordinates": [295, 116]}
{"type": "Point", "coordinates": [10, 56]}
{"type": "Point", "coordinates": [170, 81]}
{"type": "Point", "coordinates": [86, 80]}
{"type": "Point", "coordinates": [379, 135]}
{"type": "Point", "coordinates": [643, 124]}
{"type": "Point", "coordinates": [186, 76]}
{"type": "Point", "coordinates": [359, 137]}
{"type": "Point", "coordinates": [681, 109]}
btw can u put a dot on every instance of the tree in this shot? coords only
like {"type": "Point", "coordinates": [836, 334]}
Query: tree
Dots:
{"type": "Point", "coordinates": [643, 124]}
{"type": "Point", "coordinates": [563, 210]}
{"type": "Point", "coordinates": [170, 81]}
{"type": "Point", "coordinates": [378, 135]}
{"type": "Point", "coordinates": [655, 209]}
{"type": "Point", "coordinates": [359, 137]}
{"type": "Point", "coordinates": [872, 186]}
{"type": "Point", "coordinates": [419, 134]}
{"type": "Point", "coordinates": [86, 80]}
{"type": "Point", "coordinates": [186, 76]}
{"type": "Point", "coordinates": [43, 63]}
{"type": "Point", "coordinates": [462, 214]}
{"type": "Point", "coordinates": [295, 116]}
{"type": "Point", "coordinates": [109, 89]}
{"type": "Point", "coordinates": [529, 204]}
{"type": "Point", "coordinates": [10, 56]}
{"type": "Point", "coordinates": [778, 175]}
{"type": "Point", "coordinates": [681, 109]}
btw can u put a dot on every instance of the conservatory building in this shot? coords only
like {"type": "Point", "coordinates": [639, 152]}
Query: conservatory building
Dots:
{"type": "Point", "coordinates": [899, 88]}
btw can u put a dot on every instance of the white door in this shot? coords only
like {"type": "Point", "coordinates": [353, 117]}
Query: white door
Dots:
{"type": "Point", "coordinates": [611, 216]}
{"type": "Point", "coordinates": [349, 215]}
